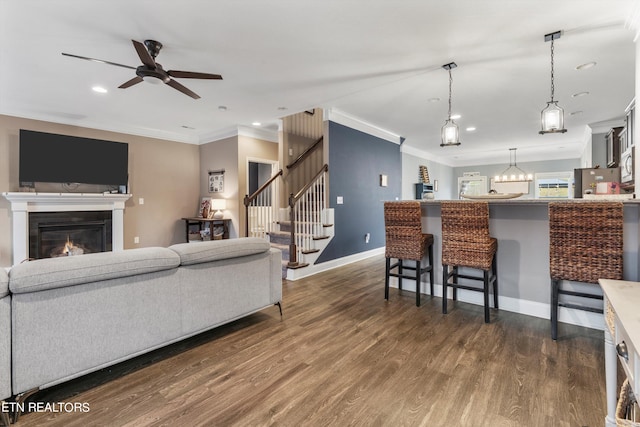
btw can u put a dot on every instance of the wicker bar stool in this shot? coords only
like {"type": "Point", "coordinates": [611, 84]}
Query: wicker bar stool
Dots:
{"type": "Point", "coordinates": [466, 243]}
{"type": "Point", "coordinates": [406, 241]}
{"type": "Point", "coordinates": [585, 244]}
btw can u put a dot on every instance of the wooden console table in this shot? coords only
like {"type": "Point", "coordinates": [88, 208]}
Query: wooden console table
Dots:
{"type": "Point", "coordinates": [621, 338]}
{"type": "Point", "coordinates": [202, 224]}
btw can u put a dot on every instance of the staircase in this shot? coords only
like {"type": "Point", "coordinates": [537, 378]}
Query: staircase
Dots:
{"type": "Point", "coordinates": [315, 231]}
{"type": "Point", "coordinates": [304, 228]}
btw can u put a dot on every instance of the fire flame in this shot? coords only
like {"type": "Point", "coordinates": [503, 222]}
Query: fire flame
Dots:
{"type": "Point", "coordinates": [68, 247]}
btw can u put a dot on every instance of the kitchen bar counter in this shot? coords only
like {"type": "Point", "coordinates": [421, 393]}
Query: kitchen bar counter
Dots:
{"type": "Point", "coordinates": [522, 229]}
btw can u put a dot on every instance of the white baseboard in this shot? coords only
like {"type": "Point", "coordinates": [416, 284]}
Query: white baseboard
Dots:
{"type": "Point", "coordinates": [514, 305]}
{"type": "Point", "coordinates": [299, 273]}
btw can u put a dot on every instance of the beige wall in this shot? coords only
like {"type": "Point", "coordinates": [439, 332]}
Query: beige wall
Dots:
{"type": "Point", "coordinates": [164, 173]}
{"type": "Point", "coordinates": [232, 155]}
{"type": "Point", "coordinates": [216, 156]}
{"type": "Point", "coordinates": [255, 150]}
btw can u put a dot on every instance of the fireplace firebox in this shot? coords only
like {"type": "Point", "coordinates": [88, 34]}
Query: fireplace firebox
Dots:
{"type": "Point", "coordinates": [54, 234]}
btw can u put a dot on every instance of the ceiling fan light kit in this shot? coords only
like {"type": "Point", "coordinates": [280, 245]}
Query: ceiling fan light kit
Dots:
{"type": "Point", "coordinates": [552, 116]}
{"type": "Point", "coordinates": [450, 133]}
{"type": "Point", "coordinates": [151, 71]}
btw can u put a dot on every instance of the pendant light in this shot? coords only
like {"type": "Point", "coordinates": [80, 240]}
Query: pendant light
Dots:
{"type": "Point", "coordinates": [552, 116]}
{"type": "Point", "coordinates": [450, 132]}
{"type": "Point", "coordinates": [513, 173]}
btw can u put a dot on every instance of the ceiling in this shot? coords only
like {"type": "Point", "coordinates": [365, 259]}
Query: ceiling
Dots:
{"type": "Point", "coordinates": [372, 60]}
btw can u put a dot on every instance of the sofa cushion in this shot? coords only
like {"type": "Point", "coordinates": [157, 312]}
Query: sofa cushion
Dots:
{"type": "Point", "coordinates": [4, 282]}
{"type": "Point", "coordinates": [215, 250]}
{"type": "Point", "coordinates": [59, 272]}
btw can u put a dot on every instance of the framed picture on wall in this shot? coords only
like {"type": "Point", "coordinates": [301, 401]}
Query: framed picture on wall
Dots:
{"type": "Point", "coordinates": [216, 181]}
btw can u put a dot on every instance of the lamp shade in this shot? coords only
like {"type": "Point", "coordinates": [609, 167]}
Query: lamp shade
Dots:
{"type": "Point", "coordinates": [450, 133]}
{"type": "Point", "coordinates": [552, 118]}
{"type": "Point", "coordinates": [218, 205]}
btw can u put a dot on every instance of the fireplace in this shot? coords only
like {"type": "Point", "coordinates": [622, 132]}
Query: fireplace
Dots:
{"type": "Point", "coordinates": [23, 204]}
{"type": "Point", "coordinates": [54, 234]}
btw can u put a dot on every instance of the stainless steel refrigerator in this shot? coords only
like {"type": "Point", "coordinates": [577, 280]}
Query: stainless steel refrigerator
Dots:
{"type": "Point", "coordinates": [586, 180]}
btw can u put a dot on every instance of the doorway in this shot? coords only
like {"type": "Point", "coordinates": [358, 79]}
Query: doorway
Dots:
{"type": "Point", "coordinates": [263, 209]}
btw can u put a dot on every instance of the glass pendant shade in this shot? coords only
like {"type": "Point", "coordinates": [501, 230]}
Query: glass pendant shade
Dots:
{"type": "Point", "coordinates": [552, 118]}
{"type": "Point", "coordinates": [450, 133]}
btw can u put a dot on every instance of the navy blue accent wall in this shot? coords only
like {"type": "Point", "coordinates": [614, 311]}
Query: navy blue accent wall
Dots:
{"type": "Point", "coordinates": [356, 161]}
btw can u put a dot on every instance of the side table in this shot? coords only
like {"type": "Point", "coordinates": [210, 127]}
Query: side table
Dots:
{"type": "Point", "coordinates": [203, 222]}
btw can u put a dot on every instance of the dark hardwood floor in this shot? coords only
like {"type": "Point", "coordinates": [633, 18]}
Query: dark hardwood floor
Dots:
{"type": "Point", "coordinates": [343, 356]}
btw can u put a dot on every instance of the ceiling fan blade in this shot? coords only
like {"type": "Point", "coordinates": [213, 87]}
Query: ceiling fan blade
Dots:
{"type": "Point", "coordinates": [174, 84]}
{"type": "Point", "coordinates": [193, 75]}
{"type": "Point", "coordinates": [99, 60]}
{"type": "Point", "coordinates": [144, 55]}
{"type": "Point", "coordinates": [133, 81]}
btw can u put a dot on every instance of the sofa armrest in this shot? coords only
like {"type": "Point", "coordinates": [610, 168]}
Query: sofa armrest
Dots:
{"type": "Point", "coordinates": [4, 283]}
{"type": "Point", "coordinates": [216, 250]}
{"type": "Point", "coordinates": [50, 273]}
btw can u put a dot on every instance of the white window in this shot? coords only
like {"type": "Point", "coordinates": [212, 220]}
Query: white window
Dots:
{"type": "Point", "coordinates": [554, 185]}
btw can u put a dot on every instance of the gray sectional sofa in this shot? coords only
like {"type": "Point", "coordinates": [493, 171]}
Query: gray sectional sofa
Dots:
{"type": "Point", "coordinates": [71, 316]}
{"type": "Point", "coordinates": [5, 342]}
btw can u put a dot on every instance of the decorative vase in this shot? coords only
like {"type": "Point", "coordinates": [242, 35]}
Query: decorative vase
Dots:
{"type": "Point", "coordinates": [205, 212]}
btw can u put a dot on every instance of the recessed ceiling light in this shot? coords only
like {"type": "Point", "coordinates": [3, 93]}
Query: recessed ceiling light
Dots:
{"type": "Point", "coordinates": [222, 108]}
{"type": "Point", "coordinates": [586, 65]}
{"type": "Point", "coordinates": [575, 95]}
{"type": "Point", "coordinates": [575, 113]}
{"type": "Point", "coordinates": [433, 99]}
{"type": "Point", "coordinates": [256, 124]}
{"type": "Point", "coordinates": [456, 116]}
{"type": "Point", "coordinates": [282, 108]}
{"type": "Point", "coordinates": [470, 129]}
{"type": "Point", "coordinates": [99, 89]}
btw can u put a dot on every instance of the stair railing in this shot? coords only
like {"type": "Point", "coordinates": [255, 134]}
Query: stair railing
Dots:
{"type": "Point", "coordinates": [261, 208]}
{"type": "Point", "coordinates": [306, 214]}
{"type": "Point", "coordinates": [305, 153]}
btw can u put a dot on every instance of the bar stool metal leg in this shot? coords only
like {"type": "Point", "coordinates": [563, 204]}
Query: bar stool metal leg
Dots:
{"type": "Point", "coordinates": [387, 269]}
{"type": "Point", "coordinates": [485, 280]}
{"type": "Point", "coordinates": [445, 280]}
{"type": "Point", "coordinates": [455, 281]}
{"type": "Point", "coordinates": [431, 273]}
{"type": "Point", "coordinates": [554, 309]}
{"type": "Point", "coordinates": [418, 268]}
{"type": "Point", "coordinates": [494, 270]}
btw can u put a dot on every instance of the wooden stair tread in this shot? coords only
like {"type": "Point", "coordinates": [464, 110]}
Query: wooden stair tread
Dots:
{"type": "Point", "coordinates": [300, 265]}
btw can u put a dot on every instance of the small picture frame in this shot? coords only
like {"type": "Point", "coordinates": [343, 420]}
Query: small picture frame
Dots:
{"type": "Point", "coordinates": [216, 181]}
{"type": "Point", "coordinates": [205, 208]}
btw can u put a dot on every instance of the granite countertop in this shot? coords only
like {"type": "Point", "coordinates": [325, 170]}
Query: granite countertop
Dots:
{"type": "Point", "coordinates": [520, 201]}
{"type": "Point", "coordinates": [624, 297]}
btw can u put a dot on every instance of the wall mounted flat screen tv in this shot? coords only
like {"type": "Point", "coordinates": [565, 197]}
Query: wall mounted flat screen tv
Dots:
{"type": "Point", "coordinates": [47, 157]}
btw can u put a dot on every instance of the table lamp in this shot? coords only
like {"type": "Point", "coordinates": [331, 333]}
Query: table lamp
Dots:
{"type": "Point", "coordinates": [218, 205]}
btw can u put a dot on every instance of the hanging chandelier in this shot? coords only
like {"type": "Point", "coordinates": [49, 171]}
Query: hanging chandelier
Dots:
{"type": "Point", "coordinates": [450, 132]}
{"type": "Point", "coordinates": [513, 173]}
{"type": "Point", "coordinates": [552, 116]}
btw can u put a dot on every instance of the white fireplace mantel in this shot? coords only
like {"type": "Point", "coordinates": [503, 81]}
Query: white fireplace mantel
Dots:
{"type": "Point", "coordinates": [23, 203]}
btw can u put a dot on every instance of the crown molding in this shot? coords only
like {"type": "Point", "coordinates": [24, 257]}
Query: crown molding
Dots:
{"type": "Point", "coordinates": [339, 117]}
{"type": "Point", "coordinates": [259, 133]}
{"type": "Point", "coordinates": [407, 149]}
{"type": "Point", "coordinates": [233, 131]}
{"type": "Point", "coordinates": [79, 121]}
{"type": "Point", "coordinates": [605, 126]}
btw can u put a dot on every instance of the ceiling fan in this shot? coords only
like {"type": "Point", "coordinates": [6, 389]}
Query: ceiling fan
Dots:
{"type": "Point", "coordinates": [151, 70]}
